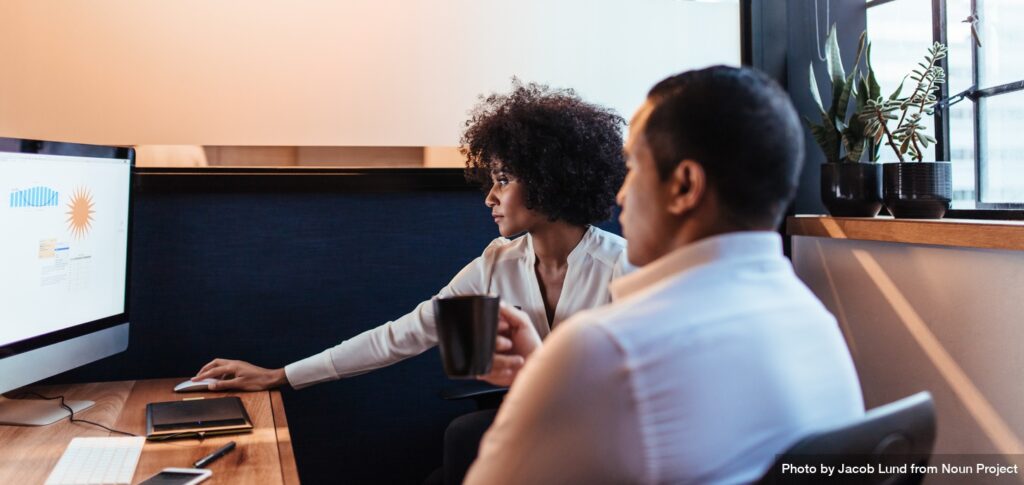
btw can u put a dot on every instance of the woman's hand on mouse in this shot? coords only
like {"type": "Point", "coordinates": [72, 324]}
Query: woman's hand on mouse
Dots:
{"type": "Point", "coordinates": [239, 375]}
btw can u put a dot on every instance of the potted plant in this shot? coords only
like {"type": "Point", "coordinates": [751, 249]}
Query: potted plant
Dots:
{"type": "Point", "coordinates": [849, 187]}
{"type": "Point", "coordinates": [912, 188]}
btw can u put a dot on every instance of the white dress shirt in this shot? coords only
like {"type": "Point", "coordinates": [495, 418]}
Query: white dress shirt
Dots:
{"type": "Point", "coordinates": [711, 361]}
{"type": "Point", "coordinates": [506, 269]}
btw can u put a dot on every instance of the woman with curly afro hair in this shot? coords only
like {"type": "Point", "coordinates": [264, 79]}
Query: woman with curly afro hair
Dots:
{"type": "Point", "coordinates": [552, 164]}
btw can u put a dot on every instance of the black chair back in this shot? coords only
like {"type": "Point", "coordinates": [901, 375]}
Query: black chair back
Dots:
{"type": "Point", "coordinates": [898, 436]}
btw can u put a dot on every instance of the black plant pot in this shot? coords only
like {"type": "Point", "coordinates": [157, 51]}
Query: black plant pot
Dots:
{"type": "Point", "coordinates": [852, 189]}
{"type": "Point", "coordinates": [917, 190]}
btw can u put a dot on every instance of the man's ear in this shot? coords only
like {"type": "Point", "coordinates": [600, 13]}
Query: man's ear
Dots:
{"type": "Point", "coordinates": [687, 186]}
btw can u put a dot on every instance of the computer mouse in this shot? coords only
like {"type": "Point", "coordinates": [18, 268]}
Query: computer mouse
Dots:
{"type": "Point", "coordinates": [193, 386]}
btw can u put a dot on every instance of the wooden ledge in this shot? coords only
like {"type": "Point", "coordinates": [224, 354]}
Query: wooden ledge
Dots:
{"type": "Point", "coordinates": [966, 233]}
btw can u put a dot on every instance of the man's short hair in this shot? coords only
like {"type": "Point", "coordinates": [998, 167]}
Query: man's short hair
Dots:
{"type": "Point", "coordinates": [740, 126]}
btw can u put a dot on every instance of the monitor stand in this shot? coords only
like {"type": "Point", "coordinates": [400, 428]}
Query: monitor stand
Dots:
{"type": "Point", "coordinates": [37, 412]}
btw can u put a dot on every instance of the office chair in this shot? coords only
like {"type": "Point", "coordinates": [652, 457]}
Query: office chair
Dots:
{"type": "Point", "coordinates": [902, 432]}
{"type": "Point", "coordinates": [483, 394]}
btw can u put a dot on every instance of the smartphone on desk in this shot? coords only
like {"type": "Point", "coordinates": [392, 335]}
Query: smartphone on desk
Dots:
{"type": "Point", "coordinates": [178, 476]}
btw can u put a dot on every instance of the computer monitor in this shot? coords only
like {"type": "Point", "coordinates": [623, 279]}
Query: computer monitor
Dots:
{"type": "Point", "coordinates": [65, 218]}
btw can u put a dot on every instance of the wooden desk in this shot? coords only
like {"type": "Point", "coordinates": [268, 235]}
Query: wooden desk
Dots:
{"type": "Point", "coordinates": [264, 456]}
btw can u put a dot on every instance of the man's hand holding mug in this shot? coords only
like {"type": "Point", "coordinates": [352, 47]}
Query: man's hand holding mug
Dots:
{"type": "Point", "coordinates": [516, 340]}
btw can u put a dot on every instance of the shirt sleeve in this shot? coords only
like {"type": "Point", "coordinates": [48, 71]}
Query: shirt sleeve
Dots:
{"type": "Point", "coordinates": [569, 417]}
{"type": "Point", "coordinates": [407, 336]}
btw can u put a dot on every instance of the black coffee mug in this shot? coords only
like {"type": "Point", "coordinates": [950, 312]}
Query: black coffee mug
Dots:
{"type": "Point", "coordinates": [466, 329]}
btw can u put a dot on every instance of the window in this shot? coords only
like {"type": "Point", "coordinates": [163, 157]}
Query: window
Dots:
{"type": "Point", "coordinates": [980, 122]}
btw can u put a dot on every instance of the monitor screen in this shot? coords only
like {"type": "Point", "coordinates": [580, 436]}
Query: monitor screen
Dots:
{"type": "Point", "coordinates": [64, 250]}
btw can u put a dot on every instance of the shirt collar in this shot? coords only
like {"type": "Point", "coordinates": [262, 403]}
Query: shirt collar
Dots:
{"type": "Point", "coordinates": [723, 247]}
{"type": "Point", "coordinates": [581, 248]}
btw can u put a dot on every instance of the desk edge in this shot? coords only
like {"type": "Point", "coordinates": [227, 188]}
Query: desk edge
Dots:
{"type": "Point", "coordinates": [289, 471]}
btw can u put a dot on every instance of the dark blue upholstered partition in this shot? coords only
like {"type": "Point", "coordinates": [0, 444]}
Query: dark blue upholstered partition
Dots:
{"type": "Point", "coordinates": [274, 266]}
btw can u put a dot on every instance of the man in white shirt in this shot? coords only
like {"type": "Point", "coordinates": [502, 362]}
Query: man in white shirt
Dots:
{"type": "Point", "coordinates": [713, 356]}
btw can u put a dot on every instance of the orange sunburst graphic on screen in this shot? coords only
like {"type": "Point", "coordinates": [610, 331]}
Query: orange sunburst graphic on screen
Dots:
{"type": "Point", "coordinates": [80, 213]}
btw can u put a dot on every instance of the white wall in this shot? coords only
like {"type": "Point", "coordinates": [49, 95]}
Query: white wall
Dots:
{"type": "Point", "coordinates": [943, 319]}
{"type": "Point", "coordinates": [327, 72]}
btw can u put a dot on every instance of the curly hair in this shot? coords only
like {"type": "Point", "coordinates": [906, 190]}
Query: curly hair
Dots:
{"type": "Point", "coordinates": [565, 151]}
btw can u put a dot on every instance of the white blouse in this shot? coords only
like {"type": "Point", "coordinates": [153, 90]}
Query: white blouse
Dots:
{"type": "Point", "coordinates": [506, 269]}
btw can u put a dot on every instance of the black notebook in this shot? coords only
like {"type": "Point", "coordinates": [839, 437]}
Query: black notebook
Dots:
{"type": "Point", "coordinates": [197, 417]}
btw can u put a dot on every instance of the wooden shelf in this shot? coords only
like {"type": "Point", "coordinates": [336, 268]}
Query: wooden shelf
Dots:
{"type": "Point", "coordinates": [968, 233]}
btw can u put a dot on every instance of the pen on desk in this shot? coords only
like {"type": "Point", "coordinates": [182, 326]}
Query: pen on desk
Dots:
{"type": "Point", "coordinates": [206, 460]}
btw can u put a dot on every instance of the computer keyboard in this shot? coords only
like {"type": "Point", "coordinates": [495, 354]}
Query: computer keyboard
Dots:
{"type": "Point", "coordinates": [97, 460]}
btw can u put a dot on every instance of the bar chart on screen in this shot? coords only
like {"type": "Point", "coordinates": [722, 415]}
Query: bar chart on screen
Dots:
{"type": "Point", "coordinates": [34, 197]}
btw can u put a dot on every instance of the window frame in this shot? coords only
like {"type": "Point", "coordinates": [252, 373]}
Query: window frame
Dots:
{"type": "Point", "coordinates": [975, 94]}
